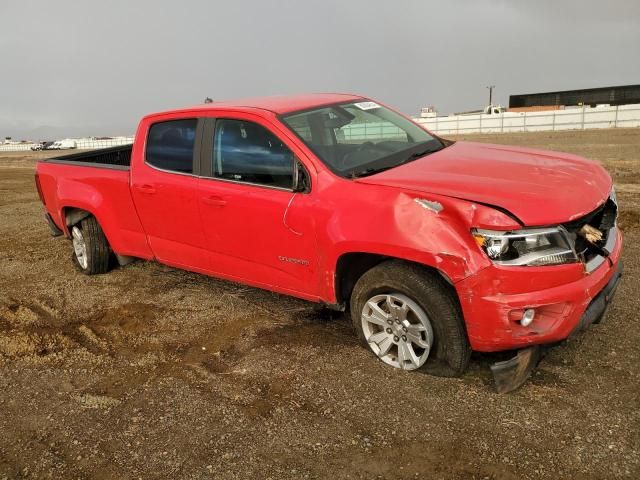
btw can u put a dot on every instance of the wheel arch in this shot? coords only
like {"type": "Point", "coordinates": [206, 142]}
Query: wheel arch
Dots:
{"type": "Point", "coordinates": [74, 215]}
{"type": "Point", "coordinates": [352, 265]}
{"type": "Point", "coordinates": [110, 203]}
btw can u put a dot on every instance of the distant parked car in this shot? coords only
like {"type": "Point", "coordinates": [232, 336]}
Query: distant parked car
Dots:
{"type": "Point", "coordinates": [42, 146]}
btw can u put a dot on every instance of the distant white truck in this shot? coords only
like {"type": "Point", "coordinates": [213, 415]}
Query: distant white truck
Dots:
{"type": "Point", "coordinates": [494, 110]}
{"type": "Point", "coordinates": [430, 112]}
{"type": "Point", "coordinates": [65, 144]}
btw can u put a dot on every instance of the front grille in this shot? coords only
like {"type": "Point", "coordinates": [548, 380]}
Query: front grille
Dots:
{"type": "Point", "coordinates": [608, 216]}
{"type": "Point", "coordinates": [602, 218]}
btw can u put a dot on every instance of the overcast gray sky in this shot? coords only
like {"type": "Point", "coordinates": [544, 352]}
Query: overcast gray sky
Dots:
{"type": "Point", "coordinates": [94, 67]}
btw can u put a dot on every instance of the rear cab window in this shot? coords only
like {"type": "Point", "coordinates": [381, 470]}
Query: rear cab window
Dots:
{"type": "Point", "coordinates": [170, 145]}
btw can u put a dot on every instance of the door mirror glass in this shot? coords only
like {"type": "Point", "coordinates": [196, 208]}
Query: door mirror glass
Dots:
{"type": "Point", "coordinates": [301, 181]}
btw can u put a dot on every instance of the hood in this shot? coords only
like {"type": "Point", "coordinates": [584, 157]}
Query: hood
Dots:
{"type": "Point", "coordinates": [538, 187]}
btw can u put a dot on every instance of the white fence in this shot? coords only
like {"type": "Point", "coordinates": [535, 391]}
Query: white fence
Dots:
{"type": "Point", "coordinates": [80, 144]}
{"type": "Point", "coordinates": [88, 143]}
{"type": "Point", "coordinates": [569, 119]}
{"type": "Point", "coordinates": [15, 147]}
{"type": "Point", "coordinates": [373, 130]}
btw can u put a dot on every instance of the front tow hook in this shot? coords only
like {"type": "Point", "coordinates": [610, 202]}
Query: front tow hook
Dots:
{"type": "Point", "coordinates": [511, 374]}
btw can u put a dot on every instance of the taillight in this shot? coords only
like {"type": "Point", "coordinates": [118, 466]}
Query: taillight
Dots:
{"type": "Point", "coordinates": [39, 188]}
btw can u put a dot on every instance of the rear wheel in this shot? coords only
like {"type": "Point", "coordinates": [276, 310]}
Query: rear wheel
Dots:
{"type": "Point", "coordinates": [408, 317]}
{"type": "Point", "coordinates": [91, 252]}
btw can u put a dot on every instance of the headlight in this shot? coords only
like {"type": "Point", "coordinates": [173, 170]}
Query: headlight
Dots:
{"type": "Point", "coordinates": [530, 247]}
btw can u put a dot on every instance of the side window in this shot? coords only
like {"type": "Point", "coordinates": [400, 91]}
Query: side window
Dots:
{"type": "Point", "coordinates": [247, 152]}
{"type": "Point", "coordinates": [170, 145]}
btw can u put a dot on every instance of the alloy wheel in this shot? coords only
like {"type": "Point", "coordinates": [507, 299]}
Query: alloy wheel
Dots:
{"type": "Point", "coordinates": [79, 247]}
{"type": "Point", "coordinates": [397, 330]}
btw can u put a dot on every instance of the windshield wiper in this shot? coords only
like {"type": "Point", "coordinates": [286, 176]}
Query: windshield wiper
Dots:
{"type": "Point", "coordinates": [369, 171]}
{"type": "Point", "coordinates": [413, 156]}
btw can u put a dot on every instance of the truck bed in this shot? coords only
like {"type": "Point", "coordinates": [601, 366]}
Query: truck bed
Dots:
{"type": "Point", "coordinates": [115, 157]}
{"type": "Point", "coordinates": [99, 182]}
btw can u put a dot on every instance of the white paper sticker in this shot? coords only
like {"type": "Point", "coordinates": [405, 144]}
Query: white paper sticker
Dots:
{"type": "Point", "coordinates": [367, 105]}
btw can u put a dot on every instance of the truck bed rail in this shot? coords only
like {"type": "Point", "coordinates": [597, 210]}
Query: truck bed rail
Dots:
{"type": "Point", "coordinates": [114, 157]}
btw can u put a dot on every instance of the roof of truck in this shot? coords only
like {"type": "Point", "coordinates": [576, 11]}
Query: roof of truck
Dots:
{"type": "Point", "coordinates": [279, 104]}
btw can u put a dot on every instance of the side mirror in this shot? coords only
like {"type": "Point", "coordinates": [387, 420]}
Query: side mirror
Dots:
{"type": "Point", "coordinates": [301, 180]}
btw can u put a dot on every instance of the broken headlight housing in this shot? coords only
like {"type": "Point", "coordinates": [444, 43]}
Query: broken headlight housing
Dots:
{"type": "Point", "coordinates": [613, 197]}
{"type": "Point", "coordinates": [528, 247]}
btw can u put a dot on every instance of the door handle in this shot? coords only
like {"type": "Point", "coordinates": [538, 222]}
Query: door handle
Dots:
{"type": "Point", "coordinates": [146, 188]}
{"type": "Point", "coordinates": [214, 201]}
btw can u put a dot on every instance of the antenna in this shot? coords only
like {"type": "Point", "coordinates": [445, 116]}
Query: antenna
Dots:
{"type": "Point", "coordinates": [491, 87]}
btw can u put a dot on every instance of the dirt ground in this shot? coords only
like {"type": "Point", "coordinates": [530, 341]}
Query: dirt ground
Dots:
{"type": "Point", "coordinates": [150, 372]}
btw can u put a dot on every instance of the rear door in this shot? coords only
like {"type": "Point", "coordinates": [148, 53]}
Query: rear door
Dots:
{"type": "Point", "coordinates": [164, 187]}
{"type": "Point", "coordinates": [257, 229]}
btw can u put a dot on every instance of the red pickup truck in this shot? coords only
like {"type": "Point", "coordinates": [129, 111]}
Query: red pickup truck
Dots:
{"type": "Point", "coordinates": [436, 248]}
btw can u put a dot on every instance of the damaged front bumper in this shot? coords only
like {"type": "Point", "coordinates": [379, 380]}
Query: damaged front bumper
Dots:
{"type": "Point", "coordinates": [598, 306]}
{"type": "Point", "coordinates": [495, 299]}
{"type": "Point", "coordinates": [511, 374]}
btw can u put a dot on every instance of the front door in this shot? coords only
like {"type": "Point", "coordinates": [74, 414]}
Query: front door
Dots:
{"type": "Point", "coordinates": [257, 229]}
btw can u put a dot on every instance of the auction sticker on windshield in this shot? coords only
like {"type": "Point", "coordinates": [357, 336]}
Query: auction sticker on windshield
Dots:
{"type": "Point", "coordinates": [367, 105]}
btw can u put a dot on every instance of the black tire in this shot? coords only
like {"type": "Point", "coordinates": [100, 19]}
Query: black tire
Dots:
{"type": "Point", "coordinates": [98, 253]}
{"type": "Point", "coordinates": [450, 352]}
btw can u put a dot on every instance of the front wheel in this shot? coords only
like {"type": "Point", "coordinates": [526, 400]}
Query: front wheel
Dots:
{"type": "Point", "coordinates": [408, 317]}
{"type": "Point", "coordinates": [91, 252]}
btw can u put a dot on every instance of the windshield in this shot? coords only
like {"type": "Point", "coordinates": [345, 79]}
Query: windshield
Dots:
{"type": "Point", "coordinates": [361, 138]}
